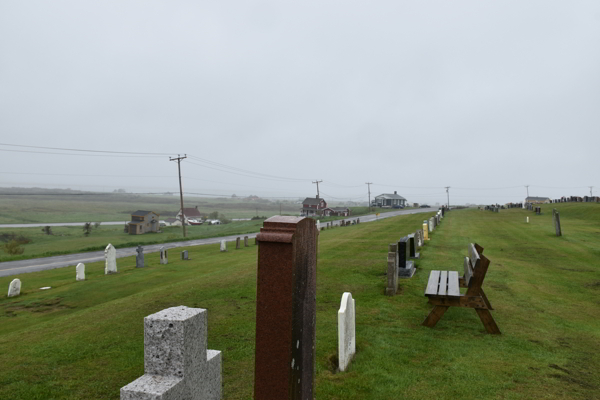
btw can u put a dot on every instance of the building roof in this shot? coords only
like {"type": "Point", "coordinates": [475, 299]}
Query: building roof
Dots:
{"type": "Point", "coordinates": [531, 198]}
{"type": "Point", "coordinates": [191, 212]}
{"type": "Point", "coordinates": [141, 213]}
{"type": "Point", "coordinates": [312, 200]}
{"type": "Point", "coordinates": [390, 196]}
{"type": "Point", "coordinates": [171, 220]}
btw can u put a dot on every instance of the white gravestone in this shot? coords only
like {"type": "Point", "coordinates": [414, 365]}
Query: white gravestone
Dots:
{"type": "Point", "coordinates": [223, 245]}
{"type": "Point", "coordinates": [346, 331]}
{"type": "Point", "coordinates": [177, 364]}
{"type": "Point", "coordinates": [110, 254]}
{"type": "Point", "coordinates": [14, 289]}
{"type": "Point", "coordinates": [80, 272]}
{"type": "Point", "coordinates": [163, 256]}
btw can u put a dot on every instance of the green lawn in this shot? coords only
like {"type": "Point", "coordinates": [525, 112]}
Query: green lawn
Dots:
{"type": "Point", "coordinates": [85, 339]}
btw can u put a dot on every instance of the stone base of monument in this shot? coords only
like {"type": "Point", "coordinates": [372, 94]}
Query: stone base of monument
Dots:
{"type": "Point", "coordinates": [417, 256]}
{"type": "Point", "coordinates": [407, 272]}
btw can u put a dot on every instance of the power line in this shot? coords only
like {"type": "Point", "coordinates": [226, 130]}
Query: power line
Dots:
{"type": "Point", "coordinates": [84, 150]}
{"type": "Point", "coordinates": [71, 154]}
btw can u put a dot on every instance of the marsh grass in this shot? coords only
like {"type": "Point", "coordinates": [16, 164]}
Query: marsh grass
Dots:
{"type": "Point", "coordinates": [85, 339]}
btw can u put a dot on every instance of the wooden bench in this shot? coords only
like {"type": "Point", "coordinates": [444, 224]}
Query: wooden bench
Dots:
{"type": "Point", "coordinates": [443, 290]}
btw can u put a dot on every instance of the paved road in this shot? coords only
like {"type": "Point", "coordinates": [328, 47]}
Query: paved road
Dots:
{"type": "Point", "coordinates": [38, 225]}
{"type": "Point", "coordinates": [41, 264]}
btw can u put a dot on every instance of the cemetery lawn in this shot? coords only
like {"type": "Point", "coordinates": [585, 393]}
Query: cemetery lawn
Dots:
{"type": "Point", "coordinates": [84, 340]}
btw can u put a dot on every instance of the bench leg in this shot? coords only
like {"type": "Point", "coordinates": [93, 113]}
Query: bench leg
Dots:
{"type": "Point", "coordinates": [485, 299]}
{"type": "Point", "coordinates": [434, 316]}
{"type": "Point", "coordinates": [487, 320]}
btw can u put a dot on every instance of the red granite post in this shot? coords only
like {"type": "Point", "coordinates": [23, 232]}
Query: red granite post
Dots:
{"type": "Point", "coordinates": [286, 309]}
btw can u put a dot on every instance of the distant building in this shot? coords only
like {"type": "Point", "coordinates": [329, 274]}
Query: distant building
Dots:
{"type": "Point", "coordinates": [143, 222]}
{"type": "Point", "coordinates": [537, 200]}
{"type": "Point", "coordinates": [312, 206]}
{"type": "Point", "coordinates": [336, 212]}
{"type": "Point", "coordinates": [189, 213]}
{"type": "Point", "coordinates": [389, 200]}
{"type": "Point", "coordinates": [172, 222]}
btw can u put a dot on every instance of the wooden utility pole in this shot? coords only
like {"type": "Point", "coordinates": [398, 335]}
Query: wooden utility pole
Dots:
{"type": "Point", "coordinates": [178, 159]}
{"type": "Point", "coordinates": [448, 193]}
{"type": "Point", "coordinates": [369, 186]}
{"type": "Point", "coordinates": [317, 182]}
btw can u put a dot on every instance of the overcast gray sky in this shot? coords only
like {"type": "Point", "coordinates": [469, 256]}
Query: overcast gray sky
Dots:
{"type": "Point", "coordinates": [484, 97]}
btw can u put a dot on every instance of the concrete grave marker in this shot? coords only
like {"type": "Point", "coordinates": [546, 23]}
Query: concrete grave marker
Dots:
{"type": "Point", "coordinates": [425, 231]}
{"type": "Point", "coordinates": [413, 247]}
{"type": "Point", "coordinates": [139, 259]}
{"type": "Point", "coordinates": [223, 245]}
{"type": "Point", "coordinates": [164, 257]}
{"type": "Point", "coordinates": [346, 331]}
{"type": "Point", "coordinates": [177, 364]}
{"type": "Point", "coordinates": [184, 255]}
{"type": "Point", "coordinates": [110, 256]}
{"type": "Point", "coordinates": [392, 270]}
{"type": "Point", "coordinates": [286, 309]}
{"type": "Point", "coordinates": [245, 241]}
{"type": "Point", "coordinates": [406, 269]}
{"type": "Point", "coordinates": [14, 289]}
{"type": "Point", "coordinates": [80, 272]}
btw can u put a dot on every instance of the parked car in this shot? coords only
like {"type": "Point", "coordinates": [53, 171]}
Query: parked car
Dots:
{"type": "Point", "coordinates": [397, 206]}
{"type": "Point", "coordinates": [425, 206]}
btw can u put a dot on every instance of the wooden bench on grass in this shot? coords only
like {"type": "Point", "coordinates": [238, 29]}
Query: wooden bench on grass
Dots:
{"type": "Point", "coordinates": [443, 290]}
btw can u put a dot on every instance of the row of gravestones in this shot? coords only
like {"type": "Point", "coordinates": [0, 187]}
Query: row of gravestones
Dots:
{"type": "Point", "coordinates": [177, 364]}
{"type": "Point", "coordinates": [237, 243]}
{"type": "Point", "coordinates": [110, 266]}
{"type": "Point", "coordinates": [397, 264]}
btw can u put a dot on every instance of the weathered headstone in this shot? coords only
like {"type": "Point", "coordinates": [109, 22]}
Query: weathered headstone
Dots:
{"type": "Point", "coordinates": [431, 226]}
{"type": "Point", "coordinates": [556, 219]}
{"type": "Point", "coordinates": [406, 269]}
{"type": "Point", "coordinates": [346, 331]}
{"type": "Point", "coordinates": [413, 247]}
{"type": "Point", "coordinates": [328, 225]}
{"type": "Point", "coordinates": [286, 309]}
{"type": "Point", "coordinates": [237, 243]}
{"type": "Point", "coordinates": [358, 220]}
{"type": "Point", "coordinates": [177, 364]}
{"type": "Point", "coordinates": [80, 272]}
{"type": "Point", "coordinates": [425, 231]}
{"type": "Point", "coordinates": [14, 289]}
{"type": "Point", "coordinates": [392, 270]}
{"type": "Point", "coordinates": [184, 255]}
{"type": "Point", "coordinates": [110, 256]}
{"type": "Point", "coordinates": [139, 259]}
{"type": "Point", "coordinates": [223, 245]}
{"type": "Point", "coordinates": [245, 241]}
{"type": "Point", "coordinates": [164, 257]}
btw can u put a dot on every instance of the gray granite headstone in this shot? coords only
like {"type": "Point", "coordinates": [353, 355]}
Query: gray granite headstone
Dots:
{"type": "Point", "coordinates": [245, 241]}
{"type": "Point", "coordinates": [413, 247]}
{"type": "Point", "coordinates": [139, 259]}
{"type": "Point", "coordinates": [406, 269]}
{"type": "Point", "coordinates": [184, 255]}
{"type": "Point", "coordinates": [392, 270]}
{"type": "Point", "coordinates": [177, 364]}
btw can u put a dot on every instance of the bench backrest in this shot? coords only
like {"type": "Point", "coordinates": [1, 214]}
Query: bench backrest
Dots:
{"type": "Point", "coordinates": [475, 265]}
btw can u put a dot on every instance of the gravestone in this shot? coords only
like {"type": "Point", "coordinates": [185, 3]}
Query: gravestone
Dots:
{"type": "Point", "coordinates": [184, 255]}
{"type": "Point", "coordinates": [164, 257]}
{"type": "Point", "coordinates": [328, 225]}
{"type": "Point", "coordinates": [425, 231]}
{"type": "Point", "coordinates": [406, 269]}
{"type": "Point", "coordinates": [245, 241]}
{"type": "Point", "coordinates": [110, 256]}
{"type": "Point", "coordinates": [223, 245]}
{"type": "Point", "coordinates": [286, 309]}
{"type": "Point", "coordinates": [431, 224]}
{"type": "Point", "coordinates": [80, 272]}
{"type": "Point", "coordinates": [14, 289]}
{"type": "Point", "coordinates": [556, 219]}
{"type": "Point", "coordinates": [139, 259]}
{"type": "Point", "coordinates": [177, 364]}
{"type": "Point", "coordinates": [237, 243]}
{"type": "Point", "coordinates": [413, 247]}
{"type": "Point", "coordinates": [392, 270]}
{"type": "Point", "coordinates": [358, 220]}
{"type": "Point", "coordinates": [346, 331]}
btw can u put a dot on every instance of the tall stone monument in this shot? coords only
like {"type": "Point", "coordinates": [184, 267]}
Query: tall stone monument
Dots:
{"type": "Point", "coordinates": [110, 256]}
{"type": "Point", "coordinates": [286, 309]}
{"type": "Point", "coordinates": [346, 331]}
{"type": "Point", "coordinates": [177, 364]}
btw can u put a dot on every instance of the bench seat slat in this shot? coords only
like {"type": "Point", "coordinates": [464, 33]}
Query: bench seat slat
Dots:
{"type": "Point", "coordinates": [453, 284]}
{"type": "Point", "coordinates": [443, 283]}
{"type": "Point", "coordinates": [433, 283]}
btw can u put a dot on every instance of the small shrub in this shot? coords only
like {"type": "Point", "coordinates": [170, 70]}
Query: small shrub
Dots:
{"type": "Point", "coordinates": [9, 237]}
{"type": "Point", "coordinates": [47, 230]}
{"type": "Point", "coordinates": [13, 248]}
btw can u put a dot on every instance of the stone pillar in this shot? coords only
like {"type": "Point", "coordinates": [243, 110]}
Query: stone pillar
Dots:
{"type": "Point", "coordinates": [392, 270]}
{"type": "Point", "coordinates": [139, 259]}
{"type": "Point", "coordinates": [245, 241]}
{"type": "Point", "coordinates": [14, 289]}
{"type": "Point", "coordinates": [406, 269]}
{"type": "Point", "coordinates": [286, 309]}
{"type": "Point", "coordinates": [177, 364]}
{"type": "Point", "coordinates": [80, 272]}
{"type": "Point", "coordinates": [237, 243]}
{"type": "Point", "coordinates": [164, 258]}
{"type": "Point", "coordinates": [346, 331]}
{"type": "Point", "coordinates": [110, 257]}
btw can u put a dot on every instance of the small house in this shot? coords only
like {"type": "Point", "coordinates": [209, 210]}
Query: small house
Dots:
{"type": "Point", "coordinates": [190, 213]}
{"type": "Point", "coordinates": [336, 212]}
{"type": "Point", "coordinates": [312, 206]}
{"type": "Point", "coordinates": [143, 222]}
{"type": "Point", "coordinates": [388, 200]}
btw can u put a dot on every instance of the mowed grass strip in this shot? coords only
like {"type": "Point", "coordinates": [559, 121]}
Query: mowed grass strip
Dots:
{"type": "Point", "coordinates": [85, 339]}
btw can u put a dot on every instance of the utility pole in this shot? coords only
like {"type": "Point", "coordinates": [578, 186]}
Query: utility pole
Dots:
{"type": "Point", "coordinates": [527, 186]}
{"type": "Point", "coordinates": [448, 193]}
{"type": "Point", "coordinates": [178, 159]}
{"type": "Point", "coordinates": [591, 195]}
{"type": "Point", "coordinates": [369, 186]}
{"type": "Point", "coordinates": [317, 182]}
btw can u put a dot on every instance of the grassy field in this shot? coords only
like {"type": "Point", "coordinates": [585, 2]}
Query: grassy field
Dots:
{"type": "Point", "coordinates": [85, 339]}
